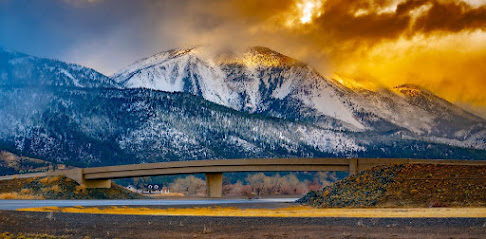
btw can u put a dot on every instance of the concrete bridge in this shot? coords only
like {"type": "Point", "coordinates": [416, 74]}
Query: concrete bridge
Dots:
{"type": "Point", "coordinates": [100, 177]}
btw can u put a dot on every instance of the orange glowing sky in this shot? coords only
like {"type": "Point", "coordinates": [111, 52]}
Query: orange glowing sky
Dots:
{"type": "Point", "coordinates": [441, 45]}
{"type": "Point", "coordinates": [438, 44]}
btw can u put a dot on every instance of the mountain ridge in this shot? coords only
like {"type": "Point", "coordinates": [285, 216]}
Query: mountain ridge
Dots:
{"type": "Point", "coordinates": [21, 69]}
{"type": "Point", "coordinates": [280, 109]}
{"type": "Point", "coordinates": [256, 81]}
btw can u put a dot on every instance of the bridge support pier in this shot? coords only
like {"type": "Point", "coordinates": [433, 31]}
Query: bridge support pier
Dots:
{"type": "Point", "coordinates": [77, 175]}
{"type": "Point", "coordinates": [102, 183]}
{"type": "Point", "coordinates": [214, 185]}
{"type": "Point", "coordinates": [353, 166]}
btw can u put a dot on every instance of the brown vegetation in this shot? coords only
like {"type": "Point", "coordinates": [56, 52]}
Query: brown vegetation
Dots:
{"type": "Point", "coordinates": [59, 187]}
{"type": "Point", "coordinates": [255, 185]}
{"type": "Point", "coordinates": [7, 235]}
{"type": "Point", "coordinates": [412, 185]}
{"type": "Point", "coordinates": [189, 185]}
{"type": "Point", "coordinates": [16, 195]}
{"type": "Point", "coordinates": [437, 186]}
{"type": "Point", "coordinates": [12, 164]}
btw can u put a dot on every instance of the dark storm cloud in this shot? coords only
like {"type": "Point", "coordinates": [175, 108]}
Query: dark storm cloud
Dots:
{"type": "Point", "coordinates": [354, 37]}
{"type": "Point", "coordinates": [341, 23]}
{"type": "Point", "coordinates": [51, 26]}
{"type": "Point", "coordinates": [452, 17]}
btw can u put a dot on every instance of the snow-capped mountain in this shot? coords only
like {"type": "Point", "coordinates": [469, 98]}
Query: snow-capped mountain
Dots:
{"type": "Point", "coordinates": [81, 127]}
{"type": "Point", "coordinates": [251, 104]}
{"type": "Point", "coordinates": [263, 81]}
{"type": "Point", "coordinates": [255, 81]}
{"type": "Point", "coordinates": [18, 69]}
{"type": "Point", "coordinates": [112, 126]}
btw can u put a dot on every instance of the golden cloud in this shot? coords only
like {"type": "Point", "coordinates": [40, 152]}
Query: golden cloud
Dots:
{"type": "Point", "coordinates": [439, 44]}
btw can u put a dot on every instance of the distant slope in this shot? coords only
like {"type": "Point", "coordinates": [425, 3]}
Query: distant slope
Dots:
{"type": "Point", "coordinates": [14, 164]}
{"type": "Point", "coordinates": [108, 126]}
{"type": "Point", "coordinates": [94, 127]}
{"type": "Point", "coordinates": [254, 104]}
{"type": "Point", "coordinates": [19, 69]}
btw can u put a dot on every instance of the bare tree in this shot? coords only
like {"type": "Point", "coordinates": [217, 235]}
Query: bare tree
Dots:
{"type": "Point", "coordinates": [257, 183]}
{"type": "Point", "coordinates": [189, 185]}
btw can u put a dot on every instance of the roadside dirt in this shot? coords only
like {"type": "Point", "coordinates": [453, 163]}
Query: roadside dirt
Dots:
{"type": "Point", "coordinates": [412, 185]}
{"type": "Point", "coordinates": [133, 226]}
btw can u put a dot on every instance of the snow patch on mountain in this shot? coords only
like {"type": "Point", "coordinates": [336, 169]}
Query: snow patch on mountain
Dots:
{"type": "Point", "coordinates": [248, 81]}
{"type": "Point", "coordinates": [178, 71]}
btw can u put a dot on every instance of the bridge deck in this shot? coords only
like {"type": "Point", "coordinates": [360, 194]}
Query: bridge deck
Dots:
{"type": "Point", "coordinates": [217, 166]}
{"type": "Point", "coordinates": [100, 177]}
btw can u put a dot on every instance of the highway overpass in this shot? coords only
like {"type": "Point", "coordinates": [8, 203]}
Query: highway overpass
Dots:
{"type": "Point", "coordinates": [100, 177]}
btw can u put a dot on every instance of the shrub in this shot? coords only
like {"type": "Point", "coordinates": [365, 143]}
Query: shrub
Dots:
{"type": "Point", "coordinates": [81, 189]}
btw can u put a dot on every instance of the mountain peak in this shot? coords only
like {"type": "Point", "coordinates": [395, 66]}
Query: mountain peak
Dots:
{"type": "Point", "coordinates": [258, 56]}
{"type": "Point", "coordinates": [430, 102]}
{"type": "Point", "coordinates": [409, 86]}
{"type": "Point", "coordinates": [412, 90]}
{"type": "Point", "coordinates": [265, 51]}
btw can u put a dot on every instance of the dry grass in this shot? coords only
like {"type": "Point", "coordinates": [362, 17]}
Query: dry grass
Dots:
{"type": "Point", "coordinates": [59, 187]}
{"type": "Point", "coordinates": [56, 188]}
{"type": "Point", "coordinates": [25, 164]}
{"type": "Point", "coordinates": [165, 195]}
{"type": "Point", "coordinates": [297, 211]}
{"type": "Point", "coordinates": [15, 195]}
{"type": "Point", "coordinates": [44, 180]}
{"type": "Point", "coordinates": [49, 180]}
{"type": "Point", "coordinates": [7, 235]}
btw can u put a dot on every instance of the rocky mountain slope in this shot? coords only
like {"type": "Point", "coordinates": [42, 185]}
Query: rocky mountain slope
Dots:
{"type": "Point", "coordinates": [256, 81]}
{"type": "Point", "coordinates": [266, 82]}
{"type": "Point", "coordinates": [82, 127]}
{"type": "Point", "coordinates": [201, 106]}
{"type": "Point", "coordinates": [107, 126]}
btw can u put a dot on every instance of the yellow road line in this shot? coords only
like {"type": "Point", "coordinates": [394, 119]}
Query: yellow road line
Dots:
{"type": "Point", "coordinates": [298, 211]}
